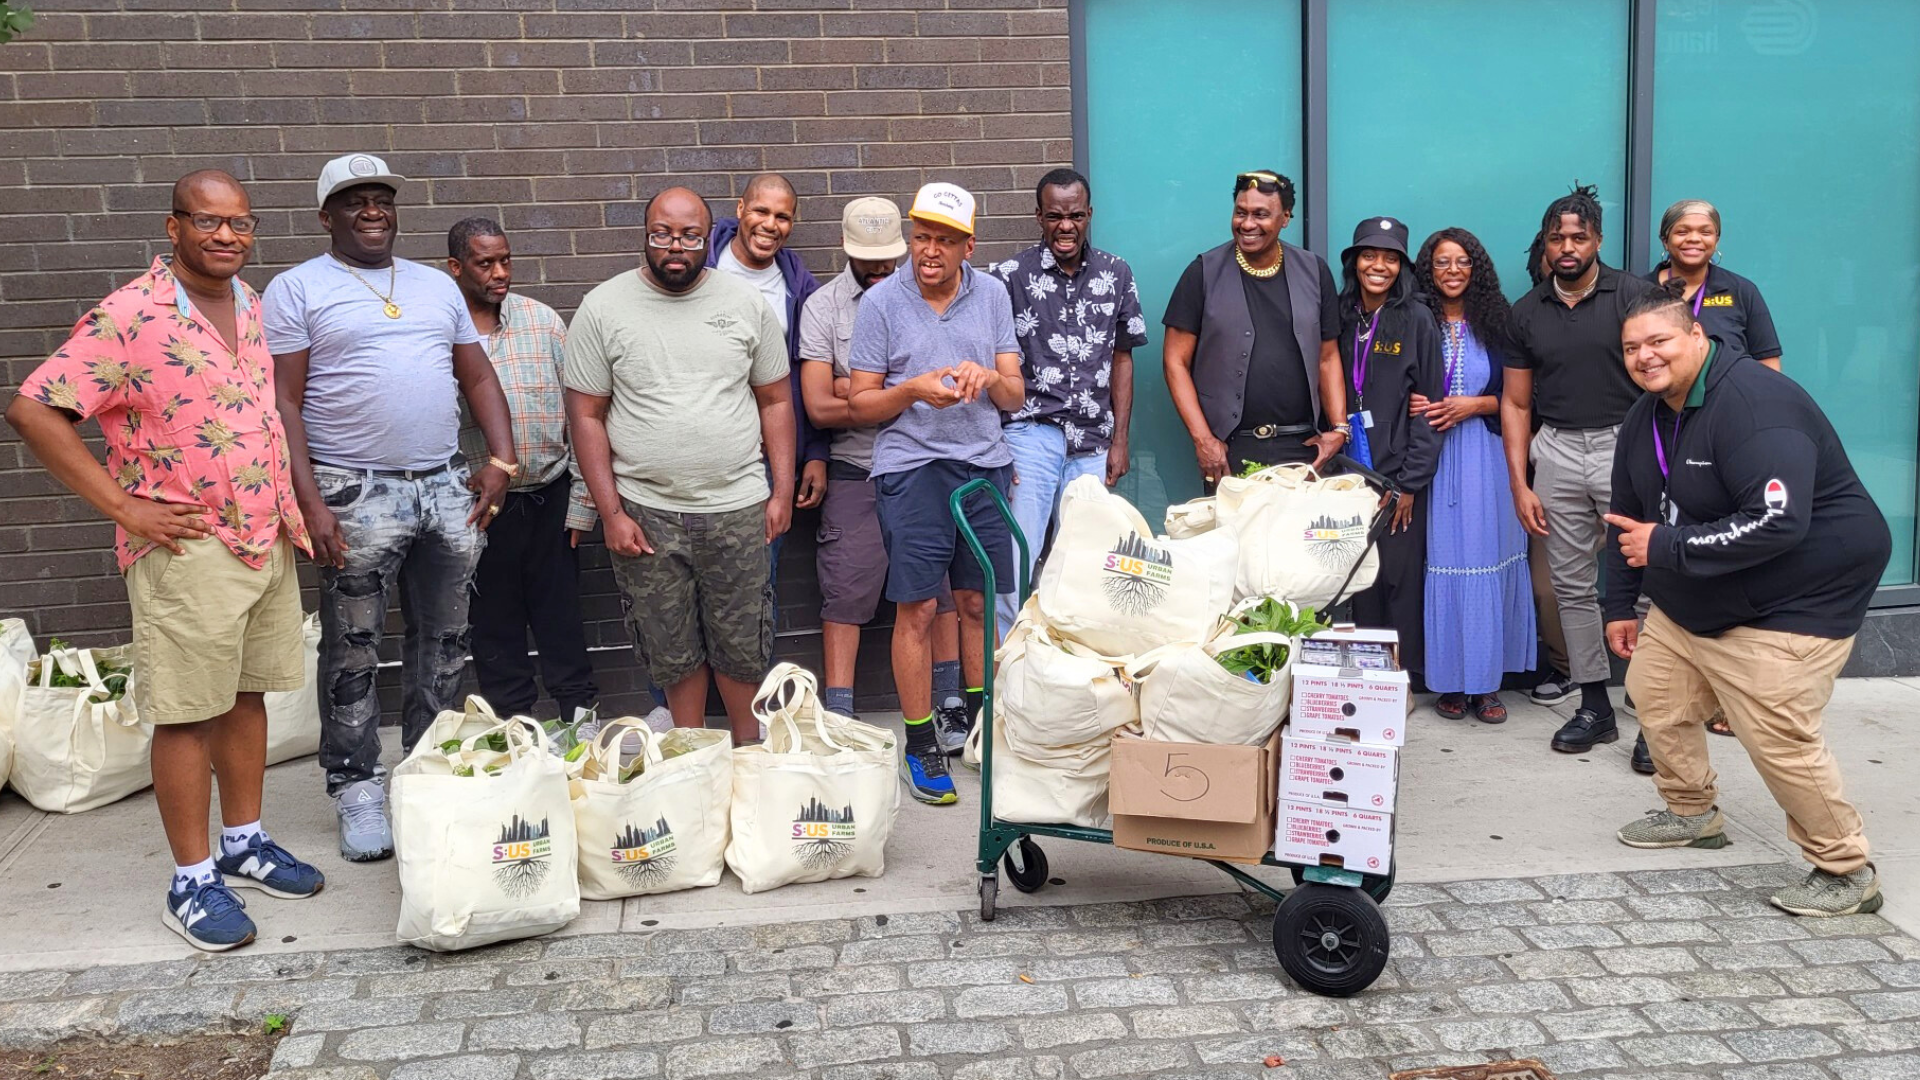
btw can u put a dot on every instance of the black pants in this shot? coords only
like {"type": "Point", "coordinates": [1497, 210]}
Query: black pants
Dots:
{"type": "Point", "coordinates": [1398, 596]}
{"type": "Point", "coordinates": [529, 578]}
{"type": "Point", "coordinates": [1279, 450]}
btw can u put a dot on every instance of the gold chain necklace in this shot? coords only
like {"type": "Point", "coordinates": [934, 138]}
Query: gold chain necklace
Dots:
{"type": "Point", "coordinates": [1241, 258]}
{"type": "Point", "coordinates": [392, 309]}
{"type": "Point", "coordinates": [1575, 297]}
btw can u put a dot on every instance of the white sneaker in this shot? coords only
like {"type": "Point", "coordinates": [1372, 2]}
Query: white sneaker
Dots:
{"type": "Point", "coordinates": [660, 720]}
{"type": "Point", "coordinates": [365, 833]}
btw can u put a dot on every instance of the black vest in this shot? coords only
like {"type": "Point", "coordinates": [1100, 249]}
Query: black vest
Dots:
{"type": "Point", "coordinates": [1225, 350]}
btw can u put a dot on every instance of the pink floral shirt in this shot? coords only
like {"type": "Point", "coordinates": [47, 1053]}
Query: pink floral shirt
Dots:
{"type": "Point", "coordinates": [187, 420]}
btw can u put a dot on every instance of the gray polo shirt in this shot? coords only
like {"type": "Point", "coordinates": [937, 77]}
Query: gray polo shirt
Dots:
{"type": "Point", "coordinates": [826, 335]}
{"type": "Point", "coordinates": [897, 335]}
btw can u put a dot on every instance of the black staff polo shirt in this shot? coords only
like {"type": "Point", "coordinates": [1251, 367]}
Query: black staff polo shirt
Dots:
{"type": "Point", "coordinates": [1732, 310]}
{"type": "Point", "coordinates": [1579, 379]}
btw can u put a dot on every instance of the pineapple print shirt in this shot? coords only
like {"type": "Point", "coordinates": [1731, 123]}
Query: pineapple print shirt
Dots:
{"type": "Point", "coordinates": [186, 419]}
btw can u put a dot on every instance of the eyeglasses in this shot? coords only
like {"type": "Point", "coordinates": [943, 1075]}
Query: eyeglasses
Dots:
{"type": "Point", "coordinates": [1453, 264]}
{"type": "Point", "coordinates": [241, 224]}
{"type": "Point", "coordinates": [1266, 182]}
{"type": "Point", "coordinates": [687, 241]}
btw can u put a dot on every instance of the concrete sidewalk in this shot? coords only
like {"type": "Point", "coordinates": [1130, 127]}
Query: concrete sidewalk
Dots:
{"type": "Point", "coordinates": [1478, 802]}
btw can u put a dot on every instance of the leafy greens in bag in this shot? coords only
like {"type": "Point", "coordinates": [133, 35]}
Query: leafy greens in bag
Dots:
{"type": "Point", "coordinates": [1261, 662]}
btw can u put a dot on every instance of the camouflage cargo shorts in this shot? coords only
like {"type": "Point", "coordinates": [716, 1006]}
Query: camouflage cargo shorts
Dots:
{"type": "Point", "coordinates": [703, 597]}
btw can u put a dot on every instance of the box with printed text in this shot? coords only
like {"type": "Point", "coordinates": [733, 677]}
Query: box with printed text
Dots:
{"type": "Point", "coordinates": [1195, 799]}
{"type": "Point", "coordinates": [1322, 834]}
{"type": "Point", "coordinates": [1339, 772]}
{"type": "Point", "coordinates": [1347, 684]}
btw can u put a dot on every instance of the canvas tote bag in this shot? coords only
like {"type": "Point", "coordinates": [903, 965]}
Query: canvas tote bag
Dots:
{"type": "Point", "coordinates": [1111, 585]}
{"type": "Point", "coordinates": [74, 749]}
{"type": "Point", "coordinates": [16, 652]}
{"type": "Point", "coordinates": [487, 857]}
{"type": "Point", "coordinates": [293, 716]}
{"type": "Point", "coordinates": [1300, 537]}
{"type": "Point", "coordinates": [664, 829]}
{"type": "Point", "coordinates": [817, 800]}
{"type": "Point", "coordinates": [1186, 696]}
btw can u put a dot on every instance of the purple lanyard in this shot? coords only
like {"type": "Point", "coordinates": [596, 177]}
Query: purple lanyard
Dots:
{"type": "Point", "coordinates": [1697, 298]}
{"type": "Point", "coordinates": [1659, 450]}
{"type": "Point", "coordinates": [1361, 347]}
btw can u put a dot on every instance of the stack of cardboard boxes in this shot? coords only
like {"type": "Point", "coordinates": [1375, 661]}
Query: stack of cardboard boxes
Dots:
{"type": "Point", "coordinates": [1340, 759]}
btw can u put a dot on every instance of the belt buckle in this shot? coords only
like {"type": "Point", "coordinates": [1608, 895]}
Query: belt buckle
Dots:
{"type": "Point", "coordinates": [1266, 431]}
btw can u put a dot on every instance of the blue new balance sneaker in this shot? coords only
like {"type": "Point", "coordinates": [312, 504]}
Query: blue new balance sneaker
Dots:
{"type": "Point", "coordinates": [267, 866]}
{"type": "Point", "coordinates": [209, 917]}
{"type": "Point", "coordinates": [925, 772]}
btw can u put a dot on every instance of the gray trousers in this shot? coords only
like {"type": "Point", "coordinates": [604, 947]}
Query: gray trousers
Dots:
{"type": "Point", "coordinates": [1573, 476]}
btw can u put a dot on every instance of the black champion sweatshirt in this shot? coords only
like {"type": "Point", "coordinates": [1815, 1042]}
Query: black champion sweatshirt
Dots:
{"type": "Point", "coordinates": [1768, 526]}
{"type": "Point", "coordinates": [1405, 360]}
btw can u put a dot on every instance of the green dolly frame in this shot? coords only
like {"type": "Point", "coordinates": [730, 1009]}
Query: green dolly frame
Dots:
{"type": "Point", "coordinates": [1328, 932]}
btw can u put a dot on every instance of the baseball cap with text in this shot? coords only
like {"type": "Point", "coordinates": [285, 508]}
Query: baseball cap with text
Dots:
{"type": "Point", "coordinates": [348, 170]}
{"type": "Point", "coordinates": [944, 204]}
{"type": "Point", "coordinates": [870, 229]}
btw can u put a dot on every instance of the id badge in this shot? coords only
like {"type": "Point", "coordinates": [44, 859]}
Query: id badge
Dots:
{"type": "Point", "coordinates": [1365, 418]}
{"type": "Point", "coordinates": [1669, 511]}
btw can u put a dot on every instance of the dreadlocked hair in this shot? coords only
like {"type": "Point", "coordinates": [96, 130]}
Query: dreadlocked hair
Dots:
{"type": "Point", "coordinates": [1668, 298]}
{"type": "Point", "coordinates": [1487, 311]}
{"type": "Point", "coordinates": [1537, 257]}
{"type": "Point", "coordinates": [1582, 202]}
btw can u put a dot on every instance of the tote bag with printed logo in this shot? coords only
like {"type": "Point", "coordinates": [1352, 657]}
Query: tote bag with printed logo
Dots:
{"type": "Point", "coordinates": [79, 748]}
{"type": "Point", "coordinates": [665, 827]}
{"type": "Point", "coordinates": [817, 800]}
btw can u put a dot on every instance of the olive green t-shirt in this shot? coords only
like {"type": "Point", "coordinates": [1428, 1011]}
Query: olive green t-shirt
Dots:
{"type": "Point", "coordinates": [680, 370]}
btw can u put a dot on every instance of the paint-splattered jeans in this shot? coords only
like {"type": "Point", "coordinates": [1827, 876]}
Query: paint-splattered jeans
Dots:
{"type": "Point", "coordinates": [410, 533]}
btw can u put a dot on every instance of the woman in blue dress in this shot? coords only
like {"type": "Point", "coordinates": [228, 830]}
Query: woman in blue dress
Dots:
{"type": "Point", "coordinates": [1479, 598]}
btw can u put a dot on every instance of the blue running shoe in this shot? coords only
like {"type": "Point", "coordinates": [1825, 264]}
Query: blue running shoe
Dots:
{"type": "Point", "coordinates": [267, 866]}
{"type": "Point", "coordinates": [925, 772]}
{"type": "Point", "coordinates": [209, 917]}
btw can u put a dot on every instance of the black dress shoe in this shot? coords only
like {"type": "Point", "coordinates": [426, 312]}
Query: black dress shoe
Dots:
{"type": "Point", "coordinates": [1642, 757]}
{"type": "Point", "coordinates": [1584, 732]}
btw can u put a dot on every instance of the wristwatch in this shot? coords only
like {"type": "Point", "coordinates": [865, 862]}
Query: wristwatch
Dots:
{"type": "Point", "coordinates": [512, 470]}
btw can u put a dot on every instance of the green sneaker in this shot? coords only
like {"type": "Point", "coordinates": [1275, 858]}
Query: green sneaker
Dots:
{"type": "Point", "coordinates": [1825, 896]}
{"type": "Point", "coordinates": [1666, 829]}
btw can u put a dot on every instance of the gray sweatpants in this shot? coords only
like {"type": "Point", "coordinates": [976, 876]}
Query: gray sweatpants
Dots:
{"type": "Point", "coordinates": [1573, 476]}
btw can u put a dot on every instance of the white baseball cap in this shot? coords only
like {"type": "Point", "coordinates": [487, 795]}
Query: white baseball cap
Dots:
{"type": "Point", "coordinates": [351, 169]}
{"type": "Point", "coordinates": [944, 204]}
{"type": "Point", "coordinates": [870, 229]}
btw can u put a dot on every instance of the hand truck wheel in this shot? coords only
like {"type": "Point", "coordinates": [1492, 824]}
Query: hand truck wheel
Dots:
{"type": "Point", "coordinates": [1030, 875]}
{"type": "Point", "coordinates": [989, 896]}
{"type": "Point", "coordinates": [1330, 939]}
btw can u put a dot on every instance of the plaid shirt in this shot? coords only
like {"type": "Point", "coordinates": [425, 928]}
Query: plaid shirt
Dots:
{"type": "Point", "coordinates": [527, 353]}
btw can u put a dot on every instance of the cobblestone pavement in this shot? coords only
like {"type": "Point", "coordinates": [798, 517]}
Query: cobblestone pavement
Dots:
{"type": "Point", "coordinates": [1668, 975]}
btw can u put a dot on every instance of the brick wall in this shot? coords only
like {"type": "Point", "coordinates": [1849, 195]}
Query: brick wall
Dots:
{"type": "Point", "coordinates": [554, 118]}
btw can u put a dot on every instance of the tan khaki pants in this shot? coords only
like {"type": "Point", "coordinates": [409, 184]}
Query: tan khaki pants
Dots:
{"type": "Point", "coordinates": [1773, 687]}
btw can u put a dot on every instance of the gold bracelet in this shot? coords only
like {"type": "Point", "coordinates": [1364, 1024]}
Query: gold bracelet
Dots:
{"type": "Point", "coordinates": [512, 470]}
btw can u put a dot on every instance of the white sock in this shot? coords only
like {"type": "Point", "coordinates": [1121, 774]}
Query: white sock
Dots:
{"type": "Point", "coordinates": [199, 873]}
{"type": "Point", "coordinates": [235, 838]}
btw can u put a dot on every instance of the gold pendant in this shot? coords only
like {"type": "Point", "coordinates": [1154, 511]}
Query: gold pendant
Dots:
{"type": "Point", "coordinates": [393, 310]}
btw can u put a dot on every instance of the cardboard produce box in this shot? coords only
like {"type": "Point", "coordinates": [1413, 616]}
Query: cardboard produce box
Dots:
{"type": "Point", "coordinates": [1347, 683]}
{"type": "Point", "coordinates": [1339, 772]}
{"type": "Point", "coordinates": [1321, 834]}
{"type": "Point", "coordinates": [1194, 799]}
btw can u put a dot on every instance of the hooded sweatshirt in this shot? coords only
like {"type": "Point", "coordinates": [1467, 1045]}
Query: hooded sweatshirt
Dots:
{"type": "Point", "coordinates": [814, 443]}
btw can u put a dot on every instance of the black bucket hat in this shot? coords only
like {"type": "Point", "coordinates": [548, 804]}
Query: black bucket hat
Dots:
{"type": "Point", "coordinates": [1385, 233]}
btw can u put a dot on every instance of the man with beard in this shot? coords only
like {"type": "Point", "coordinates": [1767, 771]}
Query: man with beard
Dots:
{"type": "Point", "coordinates": [1250, 354]}
{"type": "Point", "coordinates": [753, 247]}
{"type": "Point", "coordinates": [935, 361]}
{"type": "Point", "coordinates": [528, 578]}
{"type": "Point", "coordinates": [1077, 313]}
{"type": "Point", "coordinates": [197, 485]}
{"type": "Point", "coordinates": [1566, 365]}
{"type": "Point", "coordinates": [851, 559]}
{"type": "Point", "coordinates": [688, 511]}
{"type": "Point", "coordinates": [372, 355]}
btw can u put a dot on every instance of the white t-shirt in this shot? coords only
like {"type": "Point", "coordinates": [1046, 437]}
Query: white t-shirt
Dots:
{"type": "Point", "coordinates": [769, 282]}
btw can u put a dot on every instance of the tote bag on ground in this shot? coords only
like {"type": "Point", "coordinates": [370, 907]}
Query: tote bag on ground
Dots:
{"type": "Point", "coordinates": [664, 829]}
{"type": "Point", "coordinates": [488, 857]}
{"type": "Point", "coordinates": [1112, 586]}
{"type": "Point", "coordinates": [1186, 696]}
{"type": "Point", "coordinates": [293, 716]}
{"type": "Point", "coordinates": [16, 652]}
{"type": "Point", "coordinates": [79, 748]}
{"type": "Point", "coordinates": [817, 800]}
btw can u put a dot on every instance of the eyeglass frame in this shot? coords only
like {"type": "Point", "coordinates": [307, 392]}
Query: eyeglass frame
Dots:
{"type": "Point", "coordinates": [687, 243]}
{"type": "Point", "coordinates": [1462, 263]}
{"type": "Point", "coordinates": [230, 221]}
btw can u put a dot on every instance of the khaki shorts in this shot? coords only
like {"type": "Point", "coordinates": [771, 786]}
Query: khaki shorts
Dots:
{"type": "Point", "coordinates": [207, 627]}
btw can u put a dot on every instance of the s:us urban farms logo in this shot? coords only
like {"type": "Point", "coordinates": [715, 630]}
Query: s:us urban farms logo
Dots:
{"type": "Point", "coordinates": [644, 856]}
{"type": "Point", "coordinates": [1335, 542]}
{"type": "Point", "coordinates": [823, 836]}
{"type": "Point", "coordinates": [1137, 575]}
{"type": "Point", "coordinates": [522, 857]}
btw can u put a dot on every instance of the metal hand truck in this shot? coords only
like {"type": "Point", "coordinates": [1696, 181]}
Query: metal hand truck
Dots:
{"type": "Point", "coordinates": [1328, 932]}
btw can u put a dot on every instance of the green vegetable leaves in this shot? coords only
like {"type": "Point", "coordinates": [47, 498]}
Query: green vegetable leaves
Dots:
{"type": "Point", "coordinates": [113, 675]}
{"type": "Point", "coordinates": [1262, 662]}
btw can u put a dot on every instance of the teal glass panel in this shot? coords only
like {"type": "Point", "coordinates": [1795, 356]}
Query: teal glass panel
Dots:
{"type": "Point", "coordinates": [1180, 98]}
{"type": "Point", "coordinates": [1797, 120]}
{"type": "Point", "coordinates": [1476, 114]}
